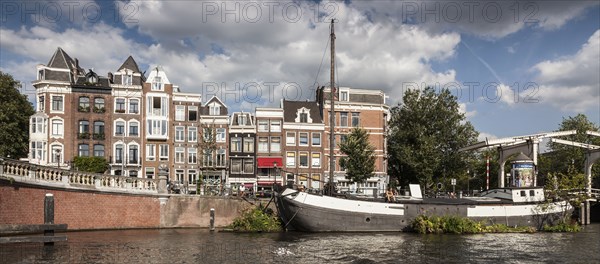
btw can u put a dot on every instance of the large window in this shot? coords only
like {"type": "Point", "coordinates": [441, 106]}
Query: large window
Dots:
{"type": "Point", "coordinates": [157, 106]}
{"type": "Point", "coordinates": [120, 128]}
{"type": "Point", "coordinates": [84, 104]}
{"type": "Point", "coordinates": [236, 144]}
{"type": "Point", "coordinates": [207, 160]}
{"type": "Point", "coordinates": [192, 176]}
{"type": "Point", "coordinates": [275, 144]}
{"type": "Point", "coordinates": [179, 155]}
{"type": "Point", "coordinates": [248, 144]}
{"type": "Point", "coordinates": [214, 110]}
{"type": "Point", "coordinates": [316, 160]}
{"type": "Point", "coordinates": [242, 119]}
{"type": "Point", "coordinates": [38, 150]}
{"type": "Point", "coordinates": [127, 79]}
{"type": "Point", "coordinates": [179, 175]}
{"type": "Point", "coordinates": [57, 103]}
{"type": "Point", "coordinates": [38, 125]}
{"type": "Point", "coordinates": [221, 135]}
{"type": "Point", "coordinates": [236, 166]}
{"type": "Point", "coordinates": [180, 113]}
{"type": "Point", "coordinates": [156, 128]}
{"type": "Point", "coordinates": [344, 119]}
{"type": "Point", "coordinates": [157, 84]}
{"type": "Point", "coordinates": [344, 96]}
{"type": "Point", "coordinates": [99, 105]}
{"type": "Point", "coordinates": [290, 138]}
{"type": "Point", "coordinates": [248, 166]}
{"type": "Point", "coordinates": [192, 155]}
{"type": "Point", "coordinates": [56, 153]}
{"type": "Point", "coordinates": [192, 134]}
{"type": "Point", "coordinates": [303, 159]}
{"type": "Point", "coordinates": [290, 160]}
{"type": "Point", "coordinates": [164, 152]}
{"type": "Point", "coordinates": [134, 106]}
{"type": "Point", "coordinates": [41, 103]}
{"type": "Point", "coordinates": [355, 119]}
{"type": "Point", "coordinates": [192, 113]}
{"type": "Point", "coordinates": [119, 153]}
{"type": "Point", "coordinates": [150, 152]}
{"type": "Point", "coordinates": [263, 144]}
{"type": "Point", "coordinates": [133, 154]}
{"type": "Point", "coordinates": [303, 139]}
{"type": "Point", "coordinates": [263, 125]}
{"type": "Point", "coordinates": [179, 134]}
{"type": "Point", "coordinates": [207, 134]}
{"type": "Point", "coordinates": [98, 129]}
{"type": "Point", "coordinates": [303, 118]}
{"type": "Point", "coordinates": [220, 157]}
{"type": "Point", "coordinates": [120, 105]}
{"type": "Point", "coordinates": [316, 139]}
{"type": "Point", "coordinates": [84, 150]}
{"type": "Point", "coordinates": [275, 126]}
{"type": "Point", "coordinates": [134, 128]}
{"type": "Point", "coordinates": [57, 127]}
{"type": "Point", "coordinates": [98, 150]}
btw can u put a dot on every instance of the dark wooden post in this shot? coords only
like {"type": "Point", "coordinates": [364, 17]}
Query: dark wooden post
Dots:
{"type": "Point", "coordinates": [212, 219]}
{"type": "Point", "coordinates": [49, 216]}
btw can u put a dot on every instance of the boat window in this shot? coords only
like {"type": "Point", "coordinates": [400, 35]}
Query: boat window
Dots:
{"type": "Point", "coordinates": [531, 193]}
{"type": "Point", "coordinates": [523, 193]}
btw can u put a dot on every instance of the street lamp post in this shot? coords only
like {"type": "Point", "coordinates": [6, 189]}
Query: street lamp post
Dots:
{"type": "Point", "coordinates": [276, 170]}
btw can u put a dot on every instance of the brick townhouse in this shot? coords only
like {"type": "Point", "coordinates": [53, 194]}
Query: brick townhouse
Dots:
{"type": "Point", "coordinates": [269, 155]}
{"type": "Point", "coordinates": [214, 126]}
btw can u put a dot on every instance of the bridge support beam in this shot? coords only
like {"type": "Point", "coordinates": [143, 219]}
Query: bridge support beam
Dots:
{"type": "Point", "coordinates": [590, 158]}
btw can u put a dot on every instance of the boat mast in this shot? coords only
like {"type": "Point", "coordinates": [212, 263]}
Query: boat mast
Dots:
{"type": "Point", "coordinates": [332, 113]}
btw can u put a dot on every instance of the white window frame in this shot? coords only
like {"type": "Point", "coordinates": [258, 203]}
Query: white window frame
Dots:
{"type": "Point", "coordinates": [304, 153]}
{"type": "Point", "coordinates": [150, 152]}
{"type": "Point", "coordinates": [290, 163]}
{"type": "Point", "coordinates": [314, 164]}
{"type": "Point", "coordinates": [271, 144]}
{"type": "Point", "coordinates": [263, 125]}
{"type": "Point", "coordinates": [180, 113]}
{"type": "Point", "coordinates": [221, 136]}
{"type": "Point", "coordinates": [163, 152]}
{"type": "Point", "coordinates": [149, 169]}
{"type": "Point", "coordinates": [263, 146]}
{"type": "Point", "coordinates": [179, 155]}
{"type": "Point", "coordinates": [129, 128]}
{"type": "Point", "coordinates": [60, 133]}
{"type": "Point", "coordinates": [275, 126]}
{"type": "Point", "coordinates": [194, 109]}
{"type": "Point", "coordinates": [307, 139]}
{"type": "Point", "coordinates": [179, 134]}
{"type": "Point", "coordinates": [290, 142]}
{"type": "Point", "coordinates": [192, 135]}
{"type": "Point", "coordinates": [124, 128]}
{"type": "Point", "coordinates": [157, 84]}
{"type": "Point", "coordinates": [131, 108]}
{"type": "Point", "coordinates": [62, 111]}
{"type": "Point", "coordinates": [312, 142]}
{"type": "Point", "coordinates": [192, 152]}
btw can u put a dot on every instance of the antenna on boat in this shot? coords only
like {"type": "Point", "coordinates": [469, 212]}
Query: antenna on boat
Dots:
{"type": "Point", "coordinates": [332, 113]}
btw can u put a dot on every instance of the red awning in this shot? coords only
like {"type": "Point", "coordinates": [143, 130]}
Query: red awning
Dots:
{"type": "Point", "coordinates": [268, 162]}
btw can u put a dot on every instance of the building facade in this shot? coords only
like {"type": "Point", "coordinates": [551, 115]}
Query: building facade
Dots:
{"type": "Point", "coordinates": [362, 108]}
{"type": "Point", "coordinates": [269, 155]}
{"type": "Point", "coordinates": [242, 137]}
{"type": "Point", "coordinates": [214, 127]}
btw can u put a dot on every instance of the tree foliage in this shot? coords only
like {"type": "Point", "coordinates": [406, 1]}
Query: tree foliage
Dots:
{"type": "Point", "coordinates": [360, 156]}
{"type": "Point", "coordinates": [425, 133]}
{"type": "Point", "coordinates": [90, 164]}
{"type": "Point", "coordinates": [563, 158]}
{"type": "Point", "coordinates": [15, 111]}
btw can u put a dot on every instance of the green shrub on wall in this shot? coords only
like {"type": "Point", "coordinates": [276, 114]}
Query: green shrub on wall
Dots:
{"type": "Point", "coordinates": [90, 164]}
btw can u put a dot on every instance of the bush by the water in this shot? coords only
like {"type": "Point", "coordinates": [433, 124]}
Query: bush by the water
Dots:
{"type": "Point", "coordinates": [255, 220]}
{"type": "Point", "coordinates": [562, 227]}
{"type": "Point", "coordinates": [459, 225]}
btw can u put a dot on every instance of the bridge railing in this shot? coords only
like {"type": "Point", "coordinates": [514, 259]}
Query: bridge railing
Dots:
{"type": "Point", "coordinates": [23, 171]}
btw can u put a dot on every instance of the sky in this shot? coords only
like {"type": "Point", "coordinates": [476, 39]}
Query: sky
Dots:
{"type": "Point", "coordinates": [516, 67]}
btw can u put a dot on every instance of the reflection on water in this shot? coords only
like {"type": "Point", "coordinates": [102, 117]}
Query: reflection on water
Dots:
{"type": "Point", "coordinates": [201, 246]}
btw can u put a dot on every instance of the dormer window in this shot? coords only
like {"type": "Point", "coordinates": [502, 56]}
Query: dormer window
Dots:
{"type": "Point", "coordinates": [214, 110]}
{"type": "Point", "coordinates": [127, 79]}
{"type": "Point", "coordinates": [157, 84]}
{"type": "Point", "coordinates": [344, 96]}
{"type": "Point", "coordinates": [92, 79]}
{"type": "Point", "coordinates": [303, 116]}
{"type": "Point", "coordinates": [242, 120]}
{"type": "Point", "coordinates": [41, 75]}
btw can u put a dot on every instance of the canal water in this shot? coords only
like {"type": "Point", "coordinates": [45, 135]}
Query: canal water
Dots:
{"type": "Point", "coordinates": [201, 246]}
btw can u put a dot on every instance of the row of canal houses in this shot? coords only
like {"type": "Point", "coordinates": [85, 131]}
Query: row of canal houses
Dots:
{"type": "Point", "coordinates": [141, 123]}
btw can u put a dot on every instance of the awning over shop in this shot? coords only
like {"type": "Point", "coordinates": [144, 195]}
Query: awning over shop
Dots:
{"type": "Point", "coordinates": [268, 162]}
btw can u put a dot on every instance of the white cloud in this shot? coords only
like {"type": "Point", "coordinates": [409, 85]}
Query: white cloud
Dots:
{"type": "Point", "coordinates": [462, 108]}
{"type": "Point", "coordinates": [485, 136]}
{"type": "Point", "coordinates": [488, 19]}
{"type": "Point", "coordinates": [572, 83]}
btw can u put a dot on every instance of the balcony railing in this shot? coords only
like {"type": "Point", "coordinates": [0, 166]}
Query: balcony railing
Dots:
{"type": "Point", "coordinates": [21, 171]}
{"type": "Point", "coordinates": [84, 135]}
{"type": "Point", "coordinates": [98, 136]}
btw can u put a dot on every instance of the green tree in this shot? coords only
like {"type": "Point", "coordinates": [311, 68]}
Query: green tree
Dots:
{"type": "Point", "coordinates": [561, 157]}
{"type": "Point", "coordinates": [15, 111]}
{"type": "Point", "coordinates": [359, 161]}
{"type": "Point", "coordinates": [425, 133]}
{"type": "Point", "coordinates": [90, 164]}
